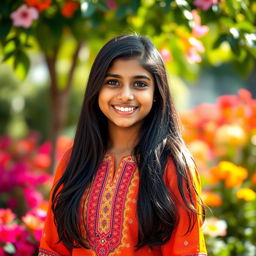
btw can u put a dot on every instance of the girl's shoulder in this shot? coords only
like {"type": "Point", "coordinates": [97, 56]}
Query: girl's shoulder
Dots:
{"type": "Point", "coordinates": [62, 164]}
{"type": "Point", "coordinates": [171, 175]}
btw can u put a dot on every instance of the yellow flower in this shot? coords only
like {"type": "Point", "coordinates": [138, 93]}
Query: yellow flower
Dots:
{"type": "Point", "coordinates": [232, 174]}
{"type": "Point", "coordinates": [231, 135]}
{"type": "Point", "coordinates": [246, 194]}
{"type": "Point", "coordinates": [200, 150]}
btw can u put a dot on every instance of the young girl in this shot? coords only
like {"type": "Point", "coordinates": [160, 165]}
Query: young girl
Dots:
{"type": "Point", "coordinates": [128, 185]}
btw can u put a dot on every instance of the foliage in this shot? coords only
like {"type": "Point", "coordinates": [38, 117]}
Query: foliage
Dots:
{"type": "Point", "coordinates": [223, 136]}
{"type": "Point", "coordinates": [187, 32]}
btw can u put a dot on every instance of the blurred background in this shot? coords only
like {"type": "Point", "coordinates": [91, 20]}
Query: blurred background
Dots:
{"type": "Point", "coordinates": [209, 47]}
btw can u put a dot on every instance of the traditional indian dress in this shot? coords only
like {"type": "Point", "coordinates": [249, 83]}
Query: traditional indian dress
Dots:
{"type": "Point", "coordinates": [110, 222]}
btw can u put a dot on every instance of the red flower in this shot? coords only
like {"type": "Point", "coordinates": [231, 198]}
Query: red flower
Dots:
{"type": "Point", "coordinates": [69, 8]}
{"type": "Point", "coordinates": [40, 5]}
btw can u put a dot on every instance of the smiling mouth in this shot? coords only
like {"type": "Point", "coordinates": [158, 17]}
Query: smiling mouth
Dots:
{"type": "Point", "coordinates": [127, 110]}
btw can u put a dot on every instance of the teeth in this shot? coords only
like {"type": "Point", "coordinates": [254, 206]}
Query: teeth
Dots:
{"type": "Point", "coordinates": [124, 109]}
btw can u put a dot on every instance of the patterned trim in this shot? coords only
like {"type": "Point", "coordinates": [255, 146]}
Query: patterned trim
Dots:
{"type": "Point", "coordinates": [43, 252]}
{"type": "Point", "coordinates": [106, 204]}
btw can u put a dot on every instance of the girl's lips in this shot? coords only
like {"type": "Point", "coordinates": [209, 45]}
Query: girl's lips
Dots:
{"type": "Point", "coordinates": [124, 110]}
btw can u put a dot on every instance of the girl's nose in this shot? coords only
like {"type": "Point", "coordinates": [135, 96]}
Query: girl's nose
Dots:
{"type": "Point", "coordinates": [125, 94]}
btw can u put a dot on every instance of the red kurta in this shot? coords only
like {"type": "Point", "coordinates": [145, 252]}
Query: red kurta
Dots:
{"type": "Point", "coordinates": [110, 222]}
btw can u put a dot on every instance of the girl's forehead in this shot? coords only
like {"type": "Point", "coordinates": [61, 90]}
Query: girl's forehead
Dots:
{"type": "Point", "coordinates": [130, 66]}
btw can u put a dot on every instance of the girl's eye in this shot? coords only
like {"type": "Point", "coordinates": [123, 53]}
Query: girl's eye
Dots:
{"type": "Point", "coordinates": [140, 84]}
{"type": "Point", "coordinates": [112, 82]}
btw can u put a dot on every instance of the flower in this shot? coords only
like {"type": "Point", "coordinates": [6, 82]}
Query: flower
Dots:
{"type": "Point", "coordinates": [198, 30]}
{"type": "Point", "coordinates": [231, 174]}
{"type": "Point", "coordinates": [231, 135]}
{"type": "Point", "coordinates": [215, 227]}
{"type": "Point", "coordinates": [199, 150]}
{"type": "Point", "coordinates": [194, 47]}
{"type": "Point", "coordinates": [6, 216]}
{"type": "Point", "coordinates": [69, 8]}
{"type": "Point", "coordinates": [254, 178]}
{"type": "Point", "coordinates": [40, 5]}
{"type": "Point", "coordinates": [24, 16]}
{"type": "Point", "coordinates": [111, 4]}
{"type": "Point", "coordinates": [32, 197]}
{"type": "Point", "coordinates": [211, 199]}
{"type": "Point", "coordinates": [204, 4]}
{"type": "Point", "coordinates": [166, 55]}
{"type": "Point", "coordinates": [42, 161]}
{"type": "Point", "coordinates": [193, 56]}
{"type": "Point", "coordinates": [246, 194]}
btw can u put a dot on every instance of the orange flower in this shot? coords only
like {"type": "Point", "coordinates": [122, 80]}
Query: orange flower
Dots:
{"type": "Point", "coordinates": [211, 199]}
{"type": "Point", "coordinates": [6, 216]}
{"type": "Point", "coordinates": [232, 174]}
{"type": "Point", "coordinates": [254, 178]}
{"type": "Point", "coordinates": [33, 222]}
{"type": "Point", "coordinates": [69, 8]}
{"type": "Point", "coordinates": [40, 5]}
{"type": "Point", "coordinates": [246, 194]}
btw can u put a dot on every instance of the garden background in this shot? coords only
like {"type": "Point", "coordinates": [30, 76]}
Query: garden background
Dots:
{"type": "Point", "coordinates": [209, 48]}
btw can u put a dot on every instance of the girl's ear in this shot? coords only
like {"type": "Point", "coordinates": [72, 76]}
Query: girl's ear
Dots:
{"type": "Point", "coordinates": [154, 100]}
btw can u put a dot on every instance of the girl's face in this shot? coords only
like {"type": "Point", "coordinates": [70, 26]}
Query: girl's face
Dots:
{"type": "Point", "coordinates": [127, 93]}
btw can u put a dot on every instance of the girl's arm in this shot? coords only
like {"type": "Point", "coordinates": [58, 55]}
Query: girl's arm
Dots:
{"type": "Point", "coordinates": [182, 243]}
{"type": "Point", "coordinates": [49, 245]}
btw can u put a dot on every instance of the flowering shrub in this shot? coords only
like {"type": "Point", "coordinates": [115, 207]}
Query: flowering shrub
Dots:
{"type": "Point", "coordinates": [222, 138]}
{"type": "Point", "coordinates": [24, 186]}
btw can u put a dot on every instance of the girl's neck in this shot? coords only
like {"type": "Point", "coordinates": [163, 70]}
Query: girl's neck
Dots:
{"type": "Point", "coordinates": [122, 140]}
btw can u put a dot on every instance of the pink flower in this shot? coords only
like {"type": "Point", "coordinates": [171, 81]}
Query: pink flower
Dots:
{"type": "Point", "coordinates": [2, 253]}
{"type": "Point", "coordinates": [196, 44]}
{"type": "Point", "coordinates": [198, 30]}
{"type": "Point", "coordinates": [5, 142]}
{"type": "Point", "coordinates": [24, 248]}
{"type": "Point", "coordinates": [111, 4]}
{"type": "Point", "coordinates": [24, 16]}
{"type": "Point", "coordinates": [204, 4]}
{"type": "Point", "coordinates": [7, 234]}
{"type": "Point", "coordinates": [32, 197]}
{"type": "Point", "coordinates": [245, 95]}
{"type": "Point", "coordinates": [193, 56]}
{"type": "Point", "coordinates": [227, 101]}
{"type": "Point", "coordinates": [166, 55]}
{"type": "Point", "coordinates": [45, 148]}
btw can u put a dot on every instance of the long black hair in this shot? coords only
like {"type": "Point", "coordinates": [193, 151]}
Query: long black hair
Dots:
{"type": "Point", "coordinates": [160, 139]}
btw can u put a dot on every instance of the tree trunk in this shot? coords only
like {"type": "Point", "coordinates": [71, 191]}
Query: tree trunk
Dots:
{"type": "Point", "coordinates": [59, 99]}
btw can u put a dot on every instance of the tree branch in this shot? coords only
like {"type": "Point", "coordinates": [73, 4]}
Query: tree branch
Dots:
{"type": "Point", "coordinates": [73, 66]}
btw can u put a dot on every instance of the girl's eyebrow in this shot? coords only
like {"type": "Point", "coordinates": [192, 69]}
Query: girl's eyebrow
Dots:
{"type": "Point", "coordinates": [135, 77]}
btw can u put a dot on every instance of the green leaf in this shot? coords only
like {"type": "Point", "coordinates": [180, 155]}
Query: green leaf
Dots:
{"type": "Point", "coordinates": [121, 11]}
{"type": "Point", "coordinates": [8, 55]}
{"type": "Point", "coordinates": [103, 6]}
{"type": "Point", "coordinates": [21, 64]}
{"type": "Point", "coordinates": [87, 8]}
{"type": "Point", "coordinates": [5, 28]}
{"type": "Point", "coordinates": [222, 38]}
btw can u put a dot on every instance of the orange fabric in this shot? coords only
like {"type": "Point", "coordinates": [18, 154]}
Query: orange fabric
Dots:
{"type": "Point", "coordinates": [110, 220]}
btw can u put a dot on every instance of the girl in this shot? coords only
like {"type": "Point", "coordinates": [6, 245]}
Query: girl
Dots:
{"type": "Point", "coordinates": [127, 186]}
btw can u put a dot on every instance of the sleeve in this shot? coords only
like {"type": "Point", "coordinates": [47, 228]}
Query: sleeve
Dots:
{"type": "Point", "coordinates": [182, 243]}
{"type": "Point", "coordinates": [48, 243]}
